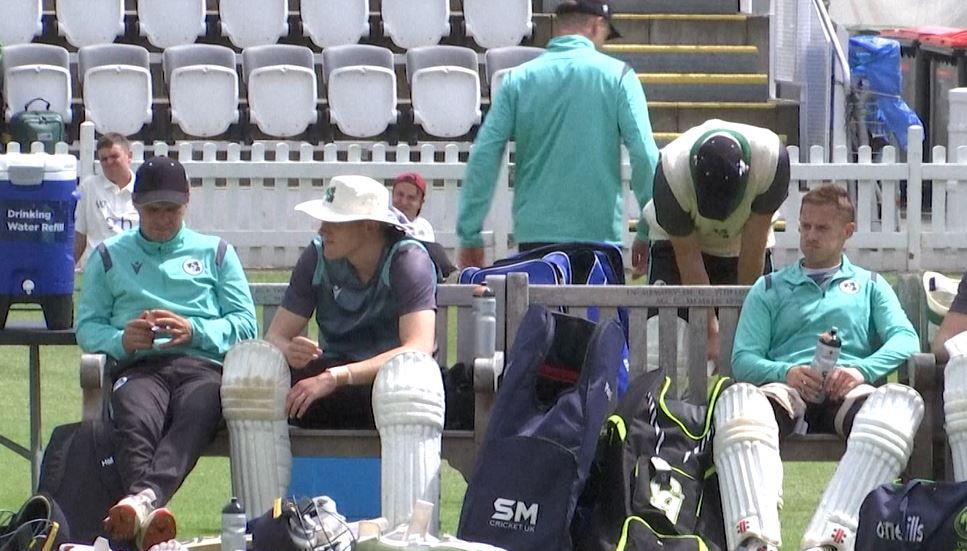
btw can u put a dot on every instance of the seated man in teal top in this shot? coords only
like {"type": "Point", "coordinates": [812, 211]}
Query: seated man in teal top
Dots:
{"type": "Point", "coordinates": [373, 291]}
{"type": "Point", "coordinates": [788, 382]}
{"type": "Point", "coordinates": [167, 303]}
{"type": "Point", "coordinates": [568, 112]}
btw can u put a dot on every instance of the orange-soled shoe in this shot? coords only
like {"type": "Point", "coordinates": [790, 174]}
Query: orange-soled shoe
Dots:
{"type": "Point", "coordinates": [158, 527]}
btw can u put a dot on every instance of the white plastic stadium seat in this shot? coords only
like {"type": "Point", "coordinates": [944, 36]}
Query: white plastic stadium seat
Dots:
{"type": "Point", "coordinates": [171, 22]}
{"type": "Point", "coordinates": [444, 89]}
{"type": "Point", "coordinates": [361, 87]}
{"type": "Point", "coordinates": [20, 21]}
{"type": "Point", "coordinates": [36, 71]}
{"type": "Point", "coordinates": [496, 23]}
{"type": "Point", "coordinates": [116, 79]}
{"type": "Point", "coordinates": [253, 22]}
{"type": "Point", "coordinates": [501, 60]}
{"type": "Point", "coordinates": [335, 22]}
{"type": "Point", "coordinates": [281, 83]}
{"type": "Point", "coordinates": [413, 23]}
{"type": "Point", "coordinates": [87, 22]}
{"type": "Point", "coordinates": [202, 88]}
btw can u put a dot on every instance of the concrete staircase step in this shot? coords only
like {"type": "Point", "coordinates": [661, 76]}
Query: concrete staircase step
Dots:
{"type": "Point", "coordinates": [669, 58]}
{"type": "Point", "coordinates": [675, 28]}
{"type": "Point", "coordinates": [661, 6]}
{"type": "Point", "coordinates": [663, 138]}
{"type": "Point", "coordinates": [705, 86]}
{"type": "Point", "coordinates": [678, 116]}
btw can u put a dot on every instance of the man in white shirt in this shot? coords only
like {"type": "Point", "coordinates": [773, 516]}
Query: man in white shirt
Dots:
{"type": "Point", "coordinates": [104, 207]}
{"type": "Point", "coordinates": [409, 192]}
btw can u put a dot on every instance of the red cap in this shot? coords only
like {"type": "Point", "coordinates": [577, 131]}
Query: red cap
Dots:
{"type": "Point", "coordinates": [412, 178]}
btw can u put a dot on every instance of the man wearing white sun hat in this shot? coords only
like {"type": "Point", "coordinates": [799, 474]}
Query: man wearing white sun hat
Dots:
{"type": "Point", "coordinates": [373, 291]}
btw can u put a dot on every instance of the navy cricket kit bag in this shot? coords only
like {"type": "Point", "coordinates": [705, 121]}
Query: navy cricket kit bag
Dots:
{"type": "Point", "coordinates": [540, 442]}
{"type": "Point", "coordinates": [917, 516]}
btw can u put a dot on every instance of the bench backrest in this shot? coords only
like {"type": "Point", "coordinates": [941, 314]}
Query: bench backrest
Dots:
{"type": "Point", "coordinates": [454, 320]}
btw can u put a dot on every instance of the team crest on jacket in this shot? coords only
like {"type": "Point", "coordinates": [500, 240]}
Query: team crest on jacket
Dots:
{"type": "Point", "coordinates": [850, 287]}
{"type": "Point", "coordinates": [192, 266]}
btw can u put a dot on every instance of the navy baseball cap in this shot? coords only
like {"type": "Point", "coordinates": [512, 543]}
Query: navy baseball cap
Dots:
{"type": "Point", "coordinates": [720, 168]}
{"type": "Point", "coordinates": [601, 8]}
{"type": "Point", "coordinates": [160, 180]}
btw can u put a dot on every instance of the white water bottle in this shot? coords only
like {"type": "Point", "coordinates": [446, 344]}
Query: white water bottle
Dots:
{"type": "Point", "coordinates": [233, 526]}
{"type": "Point", "coordinates": [826, 356]}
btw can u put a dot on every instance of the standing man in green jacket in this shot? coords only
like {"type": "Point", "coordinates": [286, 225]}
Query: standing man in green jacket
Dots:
{"type": "Point", "coordinates": [568, 112]}
{"type": "Point", "coordinates": [167, 303]}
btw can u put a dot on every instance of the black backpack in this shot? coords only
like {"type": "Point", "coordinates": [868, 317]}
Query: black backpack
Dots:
{"type": "Point", "coordinates": [653, 485]}
{"type": "Point", "coordinates": [543, 430]}
{"type": "Point", "coordinates": [916, 515]}
{"type": "Point", "coordinates": [44, 126]}
{"type": "Point", "coordinates": [79, 474]}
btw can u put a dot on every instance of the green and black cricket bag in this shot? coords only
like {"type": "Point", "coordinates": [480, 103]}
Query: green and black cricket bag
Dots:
{"type": "Point", "coordinates": [46, 127]}
{"type": "Point", "coordinates": [653, 485]}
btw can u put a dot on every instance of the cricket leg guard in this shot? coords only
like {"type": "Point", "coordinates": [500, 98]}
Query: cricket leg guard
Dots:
{"type": "Point", "coordinates": [408, 406]}
{"type": "Point", "coordinates": [876, 451]}
{"type": "Point", "coordinates": [748, 464]}
{"type": "Point", "coordinates": [955, 413]}
{"type": "Point", "coordinates": [255, 381]}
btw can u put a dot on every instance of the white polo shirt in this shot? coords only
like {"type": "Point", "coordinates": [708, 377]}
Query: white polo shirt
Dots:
{"type": "Point", "coordinates": [103, 210]}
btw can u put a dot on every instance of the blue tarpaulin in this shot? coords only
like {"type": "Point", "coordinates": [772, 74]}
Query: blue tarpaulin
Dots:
{"type": "Point", "coordinates": [875, 67]}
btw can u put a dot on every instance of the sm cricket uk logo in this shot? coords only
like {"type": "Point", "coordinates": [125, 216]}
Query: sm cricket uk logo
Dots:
{"type": "Point", "coordinates": [510, 514]}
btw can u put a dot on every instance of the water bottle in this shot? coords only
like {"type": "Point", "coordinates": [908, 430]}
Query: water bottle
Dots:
{"type": "Point", "coordinates": [484, 309]}
{"type": "Point", "coordinates": [233, 526]}
{"type": "Point", "coordinates": [826, 356]}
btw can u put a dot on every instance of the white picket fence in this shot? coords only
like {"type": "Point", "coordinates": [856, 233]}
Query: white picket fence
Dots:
{"type": "Point", "coordinates": [247, 196]}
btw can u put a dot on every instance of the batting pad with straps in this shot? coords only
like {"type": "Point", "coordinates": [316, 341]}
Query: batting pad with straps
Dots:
{"type": "Point", "coordinates": [408, 406]}
{"type": "Point", "coordinates": [747, 459]}
{"type": "Point", "coordinates": [876, 451]}
{"type": "Point", "coordinates": [255, 381]}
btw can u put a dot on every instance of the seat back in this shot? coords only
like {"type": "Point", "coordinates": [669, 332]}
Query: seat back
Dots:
{"type": "Point", "coordinates": [335, 22]}
{"type": "Point", "coordinates": [362, 100]}
{"type": "Point", "coordinates": [444, 89]}
{"type": "Point", "coordinates": [116, 79]}
{"type": "Point", "coordinates": [87, 22]}
{"type": "Point", "coordinates": [202, 88]}
{"type": "Point", "coordinates": [336, 57]}
{"type": "Point", "coordinates": [281, 84]}
{"type": "Point", "coordinates": [253, 22]}
{"type": "Point", "coordinates": [413, 23]}
{"type": "Point", "coordinates": [500, 60]}
{"type": "Point", "coordinates": [20, 21]}
{"type": "Point", "coordinates": [186, 55]}
{"type": "Point", "coordinates": [36, 70]}
{"type": "Point", "coordinates": [496, 23]}
{"type": "Point", "coordinates": [168, 23]}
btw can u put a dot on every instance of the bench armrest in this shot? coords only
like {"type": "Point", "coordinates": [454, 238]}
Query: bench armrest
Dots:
{"type": "Point", "coordinates": [94, 377]}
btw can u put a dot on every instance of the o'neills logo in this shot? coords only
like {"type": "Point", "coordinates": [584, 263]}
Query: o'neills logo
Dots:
{"type": "Point", "coordinates": [514, 515]}
{"type": "Point", "coordinates": [909, 531]}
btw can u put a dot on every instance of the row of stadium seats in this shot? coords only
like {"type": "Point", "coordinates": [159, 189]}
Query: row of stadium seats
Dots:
{"type": "Point", "coordinates": [280, 82]}
{"type": "Point", "coordinates": [247, 23]}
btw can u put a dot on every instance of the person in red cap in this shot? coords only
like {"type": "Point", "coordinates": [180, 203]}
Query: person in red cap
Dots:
{"type": "Point", "coordinates": [409, 193]}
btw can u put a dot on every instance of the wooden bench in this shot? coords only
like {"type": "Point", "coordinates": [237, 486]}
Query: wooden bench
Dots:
{"type": "Point", "coordinates": [691, 380]}
{"type": "Point", "coordinates": [514, 295]}
{"type": "Point", "coordinates": [454, 320]}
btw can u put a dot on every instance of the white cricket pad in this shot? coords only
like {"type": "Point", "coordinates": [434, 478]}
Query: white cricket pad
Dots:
{"type": "Point", "coordinates": [748, 464]}
{"type": "Point", "coordinates": [876, 451]}
{"type": "Point", "coordinates": [255, 381]}
{"type": "Point", "coordinates": [955, 413]}
{"type": "Point", "coordinates": [408, 406]}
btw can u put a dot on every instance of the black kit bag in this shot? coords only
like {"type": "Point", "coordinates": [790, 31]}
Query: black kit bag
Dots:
{"type": "Point", "coordinates": [78, 472]}
{"type": "Point", "coordinates": [556, 393]}
{"type": "Point", "coordinates": [39, 525]}
{"type": "Point", "coordinates": [44, 126]}
{"type": "Point", "coordinates": [653, 484]}
{"type": "Point", "coordinates": [918, 515]}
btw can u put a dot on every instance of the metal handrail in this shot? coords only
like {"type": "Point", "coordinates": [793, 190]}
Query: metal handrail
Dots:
{"type": "Point", "coordinates": [830, 32]}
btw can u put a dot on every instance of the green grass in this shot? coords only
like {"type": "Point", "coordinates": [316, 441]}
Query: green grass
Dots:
{"type": "Point", "coordinates": [198, 504]}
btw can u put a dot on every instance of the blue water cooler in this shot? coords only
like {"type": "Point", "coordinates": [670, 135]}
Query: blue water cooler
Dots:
{"type": "Point", "coordinates": [37, 199]}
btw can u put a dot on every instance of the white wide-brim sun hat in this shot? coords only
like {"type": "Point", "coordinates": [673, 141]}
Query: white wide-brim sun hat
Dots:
{"type": "Point", "coordinates": [351, 199]}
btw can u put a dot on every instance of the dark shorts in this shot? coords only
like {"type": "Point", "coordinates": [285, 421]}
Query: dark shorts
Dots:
{"type": "Point", "coordinates": [348, 407]}
{"type": "Point", "coordinates": [721, 270]}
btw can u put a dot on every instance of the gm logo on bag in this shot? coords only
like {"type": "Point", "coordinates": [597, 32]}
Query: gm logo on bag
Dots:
{"type": "Point", "coordinates": [514, 515]}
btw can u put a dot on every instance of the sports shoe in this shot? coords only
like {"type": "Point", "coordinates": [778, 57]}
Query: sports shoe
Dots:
{"type": "Point", "coordinates": [158, 527]}
{"type": "Point", "coordinates": [755, 544]}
